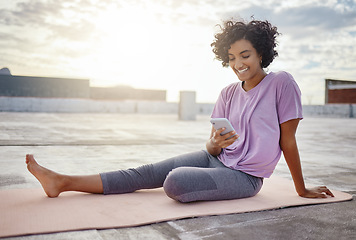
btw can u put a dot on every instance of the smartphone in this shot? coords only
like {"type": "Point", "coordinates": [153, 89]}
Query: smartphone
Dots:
{"type": "Point", "coordinates": [219, 123]}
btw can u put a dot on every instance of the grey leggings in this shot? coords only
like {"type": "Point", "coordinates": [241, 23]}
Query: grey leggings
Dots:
{"type": "Point", "coordinates": [189, 177]}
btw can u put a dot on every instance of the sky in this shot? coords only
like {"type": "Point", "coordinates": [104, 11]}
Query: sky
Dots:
{"type": "Point", "coordinates": [165, 44]}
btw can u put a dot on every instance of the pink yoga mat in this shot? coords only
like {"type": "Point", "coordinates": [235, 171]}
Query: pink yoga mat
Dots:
{"type": "Point", "coordinates": [29, 211]}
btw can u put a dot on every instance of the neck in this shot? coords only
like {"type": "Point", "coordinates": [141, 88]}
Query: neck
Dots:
{"type": "Point", "coordinates": [248, 85]}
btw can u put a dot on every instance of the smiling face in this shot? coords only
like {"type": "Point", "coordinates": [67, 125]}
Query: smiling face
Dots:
{"type": "Point", "coordinates": [246, 62]}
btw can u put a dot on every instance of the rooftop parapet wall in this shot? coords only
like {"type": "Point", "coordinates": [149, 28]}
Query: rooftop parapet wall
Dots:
{"type": "Point", "coordinates": [330, 110]}
{"type": "Point", "coordinates": [62, 105]}
{"type": "Point", "coordinates": [21, 104]}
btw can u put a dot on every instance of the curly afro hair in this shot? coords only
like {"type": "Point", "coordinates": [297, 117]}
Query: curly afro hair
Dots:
{"type": "Point", "coordinates": [261, 34]}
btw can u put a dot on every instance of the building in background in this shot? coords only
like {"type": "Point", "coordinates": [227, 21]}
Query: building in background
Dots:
{"type": "Point", "coordinates": [44, 87]}
{"type": "Point", "coordinates": [340, 91]}
{"type": "Point", "coordinates": [48, 87]}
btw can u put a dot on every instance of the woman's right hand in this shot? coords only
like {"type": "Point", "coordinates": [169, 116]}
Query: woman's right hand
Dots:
{"type": "Point", "coordinates": [217, 142]}
{"type": "Point", "coordinates": [223, 141]}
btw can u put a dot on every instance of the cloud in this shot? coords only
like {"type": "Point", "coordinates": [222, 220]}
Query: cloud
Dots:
{"type": "Point", "coordinates": [83, 30]}
{"type": "Point", "coordinates": [315, 17]}
{"type": "Point", "coordinates": [9, 37]}
{"type": "Point", "coordinates": [57, 18]}
{"type": "Point", "coordinates": [308, 17]}
{"type": "Point", "coordinates": [31, 12]}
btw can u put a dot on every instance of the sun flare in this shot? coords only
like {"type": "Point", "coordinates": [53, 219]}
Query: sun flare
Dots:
{"type": "Point", "coordinates": [131, 45]}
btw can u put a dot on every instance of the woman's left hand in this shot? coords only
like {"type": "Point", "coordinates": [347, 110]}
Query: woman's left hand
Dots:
{"type": "Point", "coordinates": [317, 192]}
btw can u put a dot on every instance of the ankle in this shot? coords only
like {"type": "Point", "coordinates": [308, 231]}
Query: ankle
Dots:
{"type": "Point", "coordinates": [64, 183]}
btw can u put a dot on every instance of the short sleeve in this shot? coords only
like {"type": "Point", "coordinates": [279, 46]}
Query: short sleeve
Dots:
{"type": "Point", "coordinates": [289, 103]}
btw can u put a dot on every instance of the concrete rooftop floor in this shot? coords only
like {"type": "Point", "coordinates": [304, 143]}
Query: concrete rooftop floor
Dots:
{"type": "Point", "coordinates": [92, 143]}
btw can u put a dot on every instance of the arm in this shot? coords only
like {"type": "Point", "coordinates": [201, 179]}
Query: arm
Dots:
{"type": "Point", "coordinates": [217, 142]}
{"type": "Point", "coordinates": [289, 147]}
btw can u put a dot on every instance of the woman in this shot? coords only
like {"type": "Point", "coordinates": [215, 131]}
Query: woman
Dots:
{"type": "Point", "coordinates": [264, 109]}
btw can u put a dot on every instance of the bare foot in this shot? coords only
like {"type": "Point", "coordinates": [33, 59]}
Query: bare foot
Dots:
{"type": "Point", "coordinates": [51, 182]}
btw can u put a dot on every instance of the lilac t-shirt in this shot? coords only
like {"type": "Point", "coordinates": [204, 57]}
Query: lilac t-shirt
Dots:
{"type": "Point", "coordinates": [256, 116]}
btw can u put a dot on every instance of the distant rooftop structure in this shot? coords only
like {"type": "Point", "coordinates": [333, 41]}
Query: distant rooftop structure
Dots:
{"type": "Point", "coordinates": [340, 91]}
{"type": "Point", "coordinates": [127, 93]}
{"type": "Point", "coordinates": [50, 87]}
{"type": "Point", "coordinates": [5, 71]}
{"type": "Point", "coordinates": [46, 87]}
